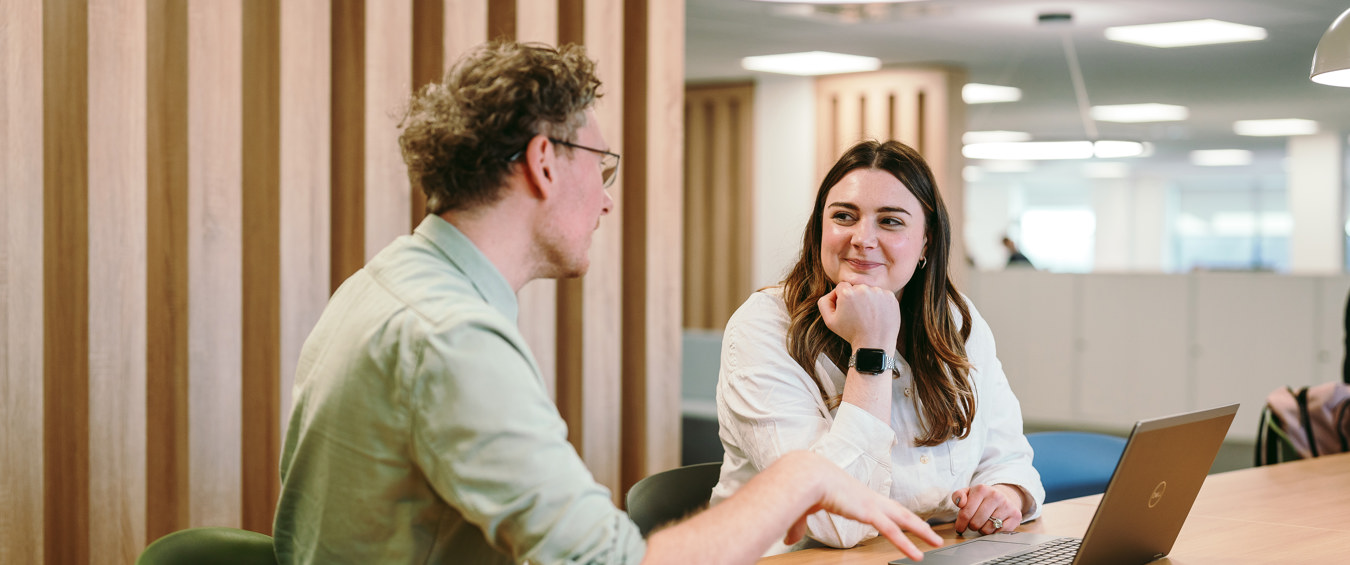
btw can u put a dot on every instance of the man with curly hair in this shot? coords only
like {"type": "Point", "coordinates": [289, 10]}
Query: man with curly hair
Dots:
{"type": "Point", "coordinates": [422, 431]}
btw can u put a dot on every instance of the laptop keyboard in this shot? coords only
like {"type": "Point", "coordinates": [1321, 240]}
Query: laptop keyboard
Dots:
{"type": "Point", "coordinates": [1052, 552]}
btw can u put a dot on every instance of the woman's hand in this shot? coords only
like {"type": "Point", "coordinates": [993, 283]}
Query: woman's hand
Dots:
{"type": "Point", "coordinates": [981, 504]}
{"type": "Point", "coordinates": [864, 316]}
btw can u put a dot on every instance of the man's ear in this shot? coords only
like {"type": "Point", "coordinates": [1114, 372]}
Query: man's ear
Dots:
{"type": "Point", "coordinates": [541, 166]}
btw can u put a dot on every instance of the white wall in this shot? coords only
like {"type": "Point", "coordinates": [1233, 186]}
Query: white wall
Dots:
{"type": "Point", "coordinates": [785, 176]}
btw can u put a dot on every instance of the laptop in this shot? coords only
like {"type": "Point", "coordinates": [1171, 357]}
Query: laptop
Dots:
{"type": "Point", "coordinates": [1151, 492]}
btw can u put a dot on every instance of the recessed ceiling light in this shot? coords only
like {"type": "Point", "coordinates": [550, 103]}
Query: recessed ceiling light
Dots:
{"type": "Point", "coordinates": [1136, 113]}
{"type": "Point", "coordinates": [1275, 128]}
{"type": "Point", "coordinates": [1185, 34]}
{"type": "Point", "coordinates": [1008, 166]}
{"type": "Point", "coordinates": [838, 1]}
{"type": "Point", "coordinates": [811, 63]}
{"type": "Point", "coordinates": [993, 136]}
{"type": "Point", "coordinates": [1221, 157]}
{"type": "Point", "coordinates": [976, 93]}
{"type": "Point", "coordinates": [1029, 150]}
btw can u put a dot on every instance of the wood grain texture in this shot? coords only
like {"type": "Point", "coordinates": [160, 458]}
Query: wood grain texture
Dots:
{"type": "Point", "coordinates": [388, 70]}
{"type": "Point", "coordinates": [65, 243]}
{"type": "Point", "coordinates": [306, 128]}
{"type": "Point", "coordinates": [1286, 513]}
{"type": "Point", "coordinates": [117, 297]}
{"type": "Point", "coordinates": [465, 27]}
{"type": "Point", "coordinates": [348, 164]}
{"type": "Point", "coordinates": [214, 258]}
{"type": "Point", "coordinates": [652, 233]}
{"type": "Point", "coordinates": [697, 180]}
{"type": "Point", "coordinates": [22, 166]}
{"type": "Point", "coordinates": [260, 201]}
{"type": "Point", "coordinates": [167, 493]}
{"type": "Point", "coordinates": [428, 66]}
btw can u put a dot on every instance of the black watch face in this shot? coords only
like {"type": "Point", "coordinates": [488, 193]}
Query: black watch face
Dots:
{"type": "Point", "coordinates": [871, 361]}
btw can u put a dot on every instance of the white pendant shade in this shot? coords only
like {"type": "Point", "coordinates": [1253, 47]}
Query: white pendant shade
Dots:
{"type": "Point", "coordinates": [1331, 61]}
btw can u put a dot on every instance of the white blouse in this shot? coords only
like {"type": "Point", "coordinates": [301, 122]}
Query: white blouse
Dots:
{"type": "Point", "coordinates": [767, 406]}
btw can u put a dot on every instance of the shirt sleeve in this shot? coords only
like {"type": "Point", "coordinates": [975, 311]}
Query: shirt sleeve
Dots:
{"type": "Point", "coordinates": [768, 405]}
{"type": "Point", "coordinates": [493, 445]}
{"type": "Point", "coordinates": [1007, 454]}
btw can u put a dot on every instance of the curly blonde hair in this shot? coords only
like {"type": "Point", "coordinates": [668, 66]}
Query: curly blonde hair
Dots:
{"type": "Point", "coordinates": [460, 135]}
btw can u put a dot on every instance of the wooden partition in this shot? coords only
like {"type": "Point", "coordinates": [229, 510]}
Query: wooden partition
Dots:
{"type": "Point", "coordinates": [920, 107]}
{"type": "Point", "coordinates": [718, 191]}
{"type": "Point", "coordinates": [184, 185]}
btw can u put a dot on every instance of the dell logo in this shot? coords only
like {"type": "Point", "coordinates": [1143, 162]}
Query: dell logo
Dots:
{"type": "Point", "coordinates": [1157, 494]}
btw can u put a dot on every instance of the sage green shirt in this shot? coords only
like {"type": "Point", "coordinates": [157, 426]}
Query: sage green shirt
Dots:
{"type": "Point", "coordinates": [422, 431]}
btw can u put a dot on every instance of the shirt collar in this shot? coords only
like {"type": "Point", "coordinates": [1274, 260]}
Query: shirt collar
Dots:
{"type": "Point", "coordinates": [464, 255]}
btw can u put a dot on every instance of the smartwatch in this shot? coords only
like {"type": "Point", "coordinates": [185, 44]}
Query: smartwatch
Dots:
{"type": "Point", "coordinates": [871, 361]}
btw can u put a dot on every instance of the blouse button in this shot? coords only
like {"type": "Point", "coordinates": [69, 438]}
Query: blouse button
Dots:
{"type": "Point", "coordinates": [923, 459]}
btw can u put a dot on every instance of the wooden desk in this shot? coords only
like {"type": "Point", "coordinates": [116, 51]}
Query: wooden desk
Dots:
{"type": "Point", "coordinates": [1295, 512]}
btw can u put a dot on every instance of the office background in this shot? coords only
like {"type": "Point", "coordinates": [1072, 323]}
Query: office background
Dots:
{"type": "Point", "coordinates": [185, 182]}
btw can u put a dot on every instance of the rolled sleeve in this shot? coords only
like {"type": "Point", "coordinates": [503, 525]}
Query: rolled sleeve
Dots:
{"type": "Point", "coordinates": [1007, 455]}
{"type": "Point", "coordinates": [768, 405]}
{"type": "Point", "coordinates": [493, 445]}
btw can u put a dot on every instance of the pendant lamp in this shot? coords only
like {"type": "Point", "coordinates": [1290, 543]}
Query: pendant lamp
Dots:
{"type": "Point", "coordinates": [1331, 61]}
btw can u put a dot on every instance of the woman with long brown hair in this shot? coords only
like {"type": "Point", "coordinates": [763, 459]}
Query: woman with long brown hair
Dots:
{"type": "Point", "coordinates": [868, 355]}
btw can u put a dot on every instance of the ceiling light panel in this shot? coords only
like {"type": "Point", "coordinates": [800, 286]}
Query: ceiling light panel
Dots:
{"type": "Point", "coordinates": [1275, 128]}
{"type": "Point", "coordinates": [1185, 34]}
{"type": "Point", "coordinates": [994, 136]}
{"type": "Point", "coordinates": [1221, 157]}
{"type": "Point", "coordinates": [811, 63]}
{"type": "Point", "coordinates": [976, 93]}
{"type": "Point", "coordinates": [1138, 113]}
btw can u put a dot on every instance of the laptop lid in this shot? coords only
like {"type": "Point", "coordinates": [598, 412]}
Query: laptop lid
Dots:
{"type": "Point", "coordinates": [1151, 492]}
{"type": "Point", "coordinates": [1154, 486]}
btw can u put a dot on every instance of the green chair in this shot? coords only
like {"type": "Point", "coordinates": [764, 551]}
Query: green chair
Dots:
{"type": "Point", "coordinates": [210, 546]}
{"type": "Point", "coordinates": [671, 495]}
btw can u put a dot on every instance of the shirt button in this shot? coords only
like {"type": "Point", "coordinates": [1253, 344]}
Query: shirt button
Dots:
{"type": "Point", "coordinates": [923, 459]}
{"type": "Point", "coordinates": [907, 392]}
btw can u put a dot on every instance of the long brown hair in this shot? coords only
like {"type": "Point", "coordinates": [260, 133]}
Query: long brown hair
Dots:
{"type": "Point", "coordinates": [929, 338]}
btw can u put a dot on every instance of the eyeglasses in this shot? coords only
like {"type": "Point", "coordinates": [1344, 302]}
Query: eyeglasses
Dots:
{"type": "Point", "coordinates": [609, 162]}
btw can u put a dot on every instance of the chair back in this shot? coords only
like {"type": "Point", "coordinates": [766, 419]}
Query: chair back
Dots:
{"type": "Point", "coordinates": [1074, 464]}
{"type": "Point", "coordinates": [671, 495]}
{"type": "Point", "coordinates": [210, 546]}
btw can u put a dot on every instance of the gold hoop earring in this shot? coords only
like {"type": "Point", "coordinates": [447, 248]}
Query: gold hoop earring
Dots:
{"type": "Point", "coordinates": [922, 262]}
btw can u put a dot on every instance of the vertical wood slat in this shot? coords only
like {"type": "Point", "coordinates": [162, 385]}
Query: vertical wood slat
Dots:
{"type": "Point", "coordinates": [166, 268]}
{"type": "Point", "coordinates": [696, 176]}
{"type": "Point", "coordinates": [722, 213]}
{"type": "Point", "coordinates": [117, 301]}
{"type": "Point", "coordinates": [305, 229]}
{"type": "Point", "coordinates": [348, 75]}
{"type": "Point", "coordinates": [654, 93]}
{"type": "Point", "coordinates": [465, 26]}
{"type": "Point", "coordinates": [22, 298]}
{"type": "Point", "coordinates": [261, 273]}
{"type": "Point", "coordinates": [388, 195]}
{"type": "Point", "coordinates": [65, 410]}
{"type": "Point", "coordinates": [214, 257]}
{"type": "Point", "coordinates": [428, 37]}
{"type": "Point", "coordinates": [718, 192]}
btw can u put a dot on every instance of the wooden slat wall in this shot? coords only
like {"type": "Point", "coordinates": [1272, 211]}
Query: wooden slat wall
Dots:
{"type": "Point", "coordinates": [718, 194]}
{"type": "Point", "coordinates": [22, 375]}
{"type": "Point", "coordinates": [921, 107]}
{"type": "Point", "coordinates": [185, 183]}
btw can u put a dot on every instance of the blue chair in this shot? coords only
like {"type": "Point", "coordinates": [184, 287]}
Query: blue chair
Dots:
{"type": "Point", "coordinates": [1074, 464]}
{"type": "Point", "coordinates": [210, 546]}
